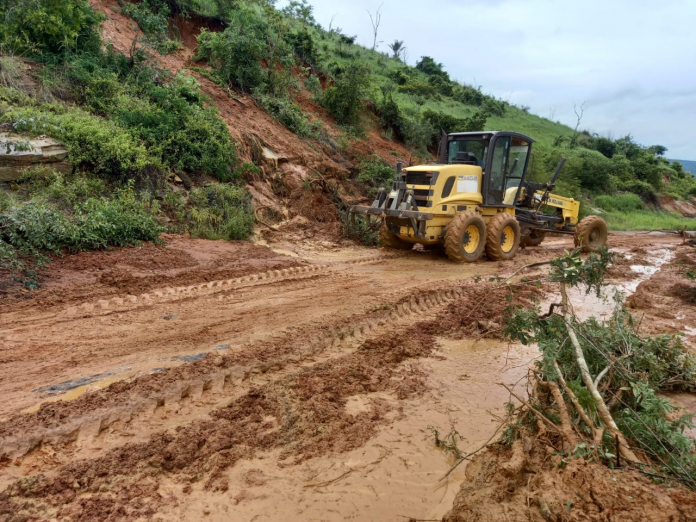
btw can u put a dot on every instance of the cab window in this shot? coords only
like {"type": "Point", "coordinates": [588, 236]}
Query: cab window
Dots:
{"type": "Point", "coordinates": [467, 152]}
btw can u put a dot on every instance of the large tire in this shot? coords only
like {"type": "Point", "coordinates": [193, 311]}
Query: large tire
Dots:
{"type": "Point", "coordinates": [392, 241]}
{"type": "Point", "coordinates": [465, 237]}
{"type": "Point", "coordinates": [502, 237]}
{"type": "Point", "coordinates": [591, 234]}
{"type": "Point", "coordinates": [534, 238]}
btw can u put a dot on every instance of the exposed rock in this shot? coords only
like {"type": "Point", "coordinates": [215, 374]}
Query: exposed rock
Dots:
{"type": "Point", "coordinates": [17, 153]}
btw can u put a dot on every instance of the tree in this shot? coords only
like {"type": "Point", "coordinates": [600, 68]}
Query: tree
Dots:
{"type": "Point", "coordinates": [657, 150]}
{"type": "Point", "coordinates": [344, 98]}
{"type": "Point", "coordinates": [375, 24]}
{"type": "Point", "coordinates": [397, 48]}
{"type": "Point", "coordinates": [301, 10]}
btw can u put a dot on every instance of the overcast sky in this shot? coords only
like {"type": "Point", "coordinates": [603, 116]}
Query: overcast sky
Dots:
{"type": "Point", "coordinates": [633, 62]}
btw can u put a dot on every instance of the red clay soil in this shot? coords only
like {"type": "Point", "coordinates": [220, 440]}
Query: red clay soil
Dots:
{"type": "Point", "coordinates": [530, 483]}
{"type": "Point", "coordinates": [304, 414]}
{"type": "Point", "coordinates": [178, 261]}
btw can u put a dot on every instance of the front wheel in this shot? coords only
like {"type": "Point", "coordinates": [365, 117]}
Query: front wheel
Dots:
{"type": "Point", "coordinates": [502, 237]}
{"type": "Point", "coordinates": [591, 234]}
{"type": "Point", "coordinates": [464, 238]}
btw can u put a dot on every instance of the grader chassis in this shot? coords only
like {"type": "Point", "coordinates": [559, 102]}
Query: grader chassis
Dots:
{"type": "Point", "coordinates": [476, 199]}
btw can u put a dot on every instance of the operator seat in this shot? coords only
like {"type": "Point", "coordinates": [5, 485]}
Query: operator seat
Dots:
{"type": "Point", "coordinates": [465, 158]}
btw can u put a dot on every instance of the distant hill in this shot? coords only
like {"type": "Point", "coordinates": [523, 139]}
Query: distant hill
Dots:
{"type": "Point", "coordinates": [689, 165]}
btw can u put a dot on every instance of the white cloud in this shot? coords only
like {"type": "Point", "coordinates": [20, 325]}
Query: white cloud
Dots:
{"type": "Point", "coordinates": [633, 61]}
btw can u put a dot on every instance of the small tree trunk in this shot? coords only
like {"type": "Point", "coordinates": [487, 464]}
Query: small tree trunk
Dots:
{"type": "Point", "coordinates": [602, 409]}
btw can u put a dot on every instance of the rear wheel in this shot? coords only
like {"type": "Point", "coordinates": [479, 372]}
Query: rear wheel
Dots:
{"type": "Point", "coordinates": [465, 237]}
{"type": "Point", "coordinates": [591, 234]}
{"type": "Point", "coordinates": [502, 237]}
{"type": "Point", "coordinates": [534, 238]}
{"type": "Point", "coordinates": [393, 241]}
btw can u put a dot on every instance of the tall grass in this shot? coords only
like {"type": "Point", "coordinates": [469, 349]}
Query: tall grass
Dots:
{"type": "Point", "coordinates": [646, 220]}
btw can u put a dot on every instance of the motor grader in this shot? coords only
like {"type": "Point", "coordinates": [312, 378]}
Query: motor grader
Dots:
{"type": "Point", "coordinates": [476, 199]}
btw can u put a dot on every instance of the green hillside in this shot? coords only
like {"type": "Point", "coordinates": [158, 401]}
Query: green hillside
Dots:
{"type": "Point", "coordinates": [131, 127]}
{"type": "Point", "coordinates": [688, 165]}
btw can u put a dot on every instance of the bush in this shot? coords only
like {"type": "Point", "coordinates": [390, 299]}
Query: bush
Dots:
{"type": "Point", "coordinates": [303, 46]}
{"type": "Point", "coordinates": [374, 173]}
{"type": "Point", "coordinates": [417, 88]}
{"type": "Point", "coordinates": [95, 145]}
{"type": "Point", "coordinates": [344, 98]}
{"type": "Point", "coordinates": [42, 27]}
{"type": "Point", "coordinates": [237, 53]}
{"type": "Point", "coordinates": [625, 202]}
{"type": "Point", "coordinates": [218, 211]}
{"type": "Point", "coordinates": [152, 18]}
{"type": "Point", "coordinates": [65, 214]}
{"type": "Point", "coordinates": [289, 114]}
{"type": "Point", "coordinates": [167, 115]}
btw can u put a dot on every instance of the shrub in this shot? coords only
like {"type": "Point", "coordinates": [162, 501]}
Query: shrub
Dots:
{"type": "Point", "coordinates": [344, 98]}
{"type": "Point", "coordinates": [152, 18]}
{"type": "Point", "coordinates": [94, 145]}
{"type": "Point", "coordinates": [469, 96]}
{"type": "Point", "coordinates": [65, 215]}
{"type": "Point", "coordinates": [375, 173]}
{"type": "Point", "coordinates": [237, 53]}
{"type": "Point", "coordinates": [625, 202]}
{"type": "Point", "coordinates": [166, 114]}
{"type": "Point", "coordinates": [219, 211]}
{"type": "Point", "coordinates": [289, 114]}
{"type": "Point", "coordinates": [49, 26]}
{"type": "Point", "coordinates": [417, 88]}
{"type": "Point", "coordinates": [303, 46]}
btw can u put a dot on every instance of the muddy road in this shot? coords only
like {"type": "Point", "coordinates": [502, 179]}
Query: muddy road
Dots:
{"type": "Point", "coordinates": [215, 380]}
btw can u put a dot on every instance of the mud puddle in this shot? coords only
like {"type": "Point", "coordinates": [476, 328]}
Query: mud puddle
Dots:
{"type": "Point", "coordinates": [398, 473]}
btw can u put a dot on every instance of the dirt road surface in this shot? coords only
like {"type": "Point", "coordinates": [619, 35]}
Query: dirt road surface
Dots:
{"type": "Point", "coordinates": [231, 381]}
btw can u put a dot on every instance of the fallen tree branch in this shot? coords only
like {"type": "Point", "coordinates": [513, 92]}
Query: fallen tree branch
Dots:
{"type": "Point", "coordinates": [536, 412]}
{"type": "Point", "coordinates": [602, 409]}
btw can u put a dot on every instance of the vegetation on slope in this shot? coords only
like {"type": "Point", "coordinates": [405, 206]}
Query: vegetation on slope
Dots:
{"type": "Point", "coordinates": [132, 126]}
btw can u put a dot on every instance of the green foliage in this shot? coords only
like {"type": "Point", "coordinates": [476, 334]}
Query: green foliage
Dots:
{"type": "Point", "coordinates": [95, 145]}
{"type": "Point", "coordinates": [441, 120]}
{"type": "Point", "coordinates": [303, 46]}
{"type": "Point", "coordinates": [69, 214]}
{"type": "Point", "coordinates": [418, 88]}
{"type": "Point", "coordinates": [648, 220]}
{"type": "Point", "coordinates": [217, 211]}
{"type": "Point", "coordinates": [622, 202]}
{"type": "Point", "coordinates": [639, 368]}
{"type": "Point", "coordinates": [152, 19]}
{"type": "Point", "coordinates": [45, 27]}
{"type": "Point", "coordinates": [149, 111]}
{"type": "Point", "coordinates": [374, 173]}
{"type": "Point", "coordinates": [345, 97]}
{"type": "Point", "coordinates": [237, 53]}
{"type": "Point", "coordinates": [290, 114]}
{"type": "Point", "coordinates": [430, 67]}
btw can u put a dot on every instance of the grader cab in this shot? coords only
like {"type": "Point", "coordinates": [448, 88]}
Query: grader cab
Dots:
{"type": "Point", "coordinates": [476, 198]}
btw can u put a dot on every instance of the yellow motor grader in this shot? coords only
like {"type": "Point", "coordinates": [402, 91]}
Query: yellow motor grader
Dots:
{"type": "Point", "coordinates": [476, 198]}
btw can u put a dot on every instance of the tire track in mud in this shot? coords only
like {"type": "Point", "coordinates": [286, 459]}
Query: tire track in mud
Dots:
{"type": "Point", "coordinates": [168, 294]}
{"type": "Point", "coordinates": [195, 389]}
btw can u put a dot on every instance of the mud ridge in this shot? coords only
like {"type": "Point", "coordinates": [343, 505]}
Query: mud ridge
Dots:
{"type": "Point", "coordinates": [57, 425]}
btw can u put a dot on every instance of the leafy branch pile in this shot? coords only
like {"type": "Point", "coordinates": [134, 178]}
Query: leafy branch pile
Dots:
{"type": "Point", "coordinates": [596, 390]}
